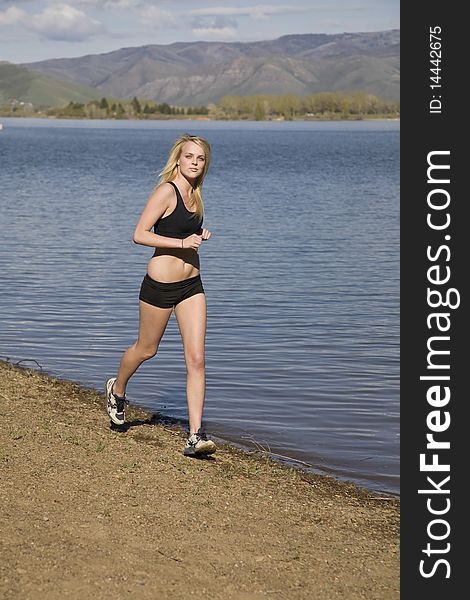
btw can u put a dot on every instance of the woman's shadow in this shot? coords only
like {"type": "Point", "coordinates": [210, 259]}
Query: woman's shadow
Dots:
{"type": "Point", "coordinates": [153, 419]}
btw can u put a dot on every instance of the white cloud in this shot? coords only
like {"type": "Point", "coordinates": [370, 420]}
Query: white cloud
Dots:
{"type": "Point", "coordinates": [263, 11]}
{"type": "Point", "coordinates": [145, 10]}
{"type": "Point", "coordinates": [122, 3]}
{"type": "Point", "coordinates": [247, 11]}
{"type": "Point", "coordinates": [222, 28]}
{"type": "Point", "coordinates": [224, 33]}
{"type": "Point", "coordinates": [213, 22]}
{"type": "Point", "coordinates": [88, 2]}
{"type": "Point", "coordinates": [156, 17]}
{"type": "Point", "coordinates": [111, 4]}
{"type": "Point", "coordinates": [62, 22]}
{"type": "Point", "coordinates": [11, 16]}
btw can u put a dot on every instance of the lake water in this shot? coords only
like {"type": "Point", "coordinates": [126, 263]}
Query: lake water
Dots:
{"type": "Point", "coordinates": [301, 277]}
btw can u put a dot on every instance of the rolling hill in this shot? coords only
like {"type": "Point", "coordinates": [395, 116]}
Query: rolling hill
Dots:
{"type": "Point", "coordinates": [24, 85]}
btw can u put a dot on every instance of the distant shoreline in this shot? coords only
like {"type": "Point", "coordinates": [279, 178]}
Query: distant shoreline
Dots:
{"type": "Point", "coordinates": [196, 118]}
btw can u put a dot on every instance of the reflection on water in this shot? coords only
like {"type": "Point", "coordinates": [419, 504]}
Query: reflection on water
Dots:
{"type": "Point", "coordinates": [301, 277]}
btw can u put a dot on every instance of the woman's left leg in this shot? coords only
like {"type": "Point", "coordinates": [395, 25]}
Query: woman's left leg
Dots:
{"type": "Point", "coordinates": [191, 317]}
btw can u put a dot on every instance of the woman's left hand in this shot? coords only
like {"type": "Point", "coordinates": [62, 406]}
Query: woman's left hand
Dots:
{"type": "Point", "coordinates": [206, 234]}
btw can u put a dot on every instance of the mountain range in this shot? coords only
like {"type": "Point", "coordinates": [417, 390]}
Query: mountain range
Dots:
{"type": "Point", "coordinates": [199, 73]}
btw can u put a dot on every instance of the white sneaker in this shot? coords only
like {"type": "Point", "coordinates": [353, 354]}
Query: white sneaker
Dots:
{"type": "Point", "coordinates": [197, 444]}
{"type": "Point", "coordinates": [115, 405]}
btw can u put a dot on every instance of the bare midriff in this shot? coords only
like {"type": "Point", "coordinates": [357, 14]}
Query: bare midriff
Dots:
{"type": "Point", "coordinates": [172, 264]}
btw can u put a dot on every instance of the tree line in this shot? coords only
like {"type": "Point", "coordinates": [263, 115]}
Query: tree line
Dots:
{"type": "Point", "coordinates": [321, 105]}
{"type": "Point", "coordinates": [122, 109]}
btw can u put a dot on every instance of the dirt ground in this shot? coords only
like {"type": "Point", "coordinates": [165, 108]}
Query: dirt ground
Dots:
{"type": "Point", "coordinates": [88, 512]}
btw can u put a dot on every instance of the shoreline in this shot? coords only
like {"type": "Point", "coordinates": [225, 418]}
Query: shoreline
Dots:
{"type": "Point", "coordinates": [178, 426]}
{"type": "Point", "coordinates": [94, 512]}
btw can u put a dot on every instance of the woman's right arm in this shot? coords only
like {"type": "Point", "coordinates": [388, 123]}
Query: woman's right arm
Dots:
{"type": "Point", "coordinates": [156, 206]}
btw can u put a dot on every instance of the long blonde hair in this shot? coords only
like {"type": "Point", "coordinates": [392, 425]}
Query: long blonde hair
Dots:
{"type": "Point", "coordinates": [170, 170]}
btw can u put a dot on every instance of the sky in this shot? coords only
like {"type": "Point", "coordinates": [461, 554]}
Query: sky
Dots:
{"type": "Point", "coordinates": [33, 30]}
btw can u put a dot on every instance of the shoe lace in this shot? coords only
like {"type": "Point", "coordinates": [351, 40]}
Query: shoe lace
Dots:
{"type": "Point", "coordinates": [197, 437]}
{"type": "Point", "coordinates": [121, 404]}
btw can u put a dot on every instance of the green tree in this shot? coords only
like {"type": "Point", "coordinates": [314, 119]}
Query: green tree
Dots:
{"type": "Point", "coordinates": [120, 112]}
{"type": "Point", "coordinates": [164, 108]}
{"type": "Point", "coordinates": [136, 105]}
{"type": "Point", "coordinates": [260, 113]}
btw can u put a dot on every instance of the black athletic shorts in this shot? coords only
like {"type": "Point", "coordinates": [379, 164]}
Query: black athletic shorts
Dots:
{"type": "Point", "coordinates": [167, 295]}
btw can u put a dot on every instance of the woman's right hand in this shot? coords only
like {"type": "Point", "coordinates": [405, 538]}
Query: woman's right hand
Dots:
{"type": "Point", "coordinates": [192, 241]}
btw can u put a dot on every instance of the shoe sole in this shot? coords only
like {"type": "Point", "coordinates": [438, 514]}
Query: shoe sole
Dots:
{"type": "Point", "coordinates": [107, 391]}
{"type": "Point", "coordinates": [209, 449]}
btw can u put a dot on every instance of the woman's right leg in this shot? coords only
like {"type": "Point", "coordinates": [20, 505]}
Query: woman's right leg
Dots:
{"type": "Point", "coordinates": [152, 323]}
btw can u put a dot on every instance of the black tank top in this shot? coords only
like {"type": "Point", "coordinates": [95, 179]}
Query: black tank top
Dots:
{"type": "Point", "coordinates": [180, 223]}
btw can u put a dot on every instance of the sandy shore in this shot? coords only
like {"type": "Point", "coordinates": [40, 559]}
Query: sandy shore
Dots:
{"type": "Point", "coordinates": [93, 513]}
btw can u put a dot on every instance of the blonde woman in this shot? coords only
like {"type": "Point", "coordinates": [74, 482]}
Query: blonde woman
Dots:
{"type": "Point", "coordinates": [175, 212]}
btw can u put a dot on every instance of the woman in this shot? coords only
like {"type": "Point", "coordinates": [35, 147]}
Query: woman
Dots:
{"type": "Point", "coordinates": [175, 212]}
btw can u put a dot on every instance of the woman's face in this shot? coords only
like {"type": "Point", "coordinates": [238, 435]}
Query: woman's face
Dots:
{"type": "Point", "coordinates": [192, 160]}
